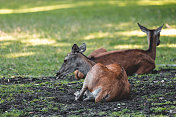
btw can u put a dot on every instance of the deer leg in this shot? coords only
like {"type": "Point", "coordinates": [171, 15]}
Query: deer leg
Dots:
{"type": "Point", "coordinates": [145, 67]}
{"type": "Point", "coordinates": [89, 95]}
{"type": "Point", "coordinates": [102, 96]}
{"type": "Point", "coordinates": [81, 93]}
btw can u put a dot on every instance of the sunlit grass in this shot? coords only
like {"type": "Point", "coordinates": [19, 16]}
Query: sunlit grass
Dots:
{"type": "Point", "coordinates": [155, 2]}
{"type": "Point", "coordinates": [35, 9]}
{"type": "Point", "coordinates": [168, 45]}
{"type": "Point", "coordinates": [35, 36]}
{"type": "Point", "coordinates": [36, 41]}
{"type": "Point", "coordinates": [139, 33]}
{"type": "Point", "coordinates": [15, 55]}
{"type": "Point", "coordinates": [128, 47]}
{"type": "Point", "coordinates": [80, 3]}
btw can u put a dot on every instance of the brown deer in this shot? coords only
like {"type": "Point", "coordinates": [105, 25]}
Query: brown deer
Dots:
{"type": "Point", "coordinates": [102, 83]}
{"type": "Point", "coordinates": [133, 60]}
{"type": "Point", "coordinates": [79, 75]}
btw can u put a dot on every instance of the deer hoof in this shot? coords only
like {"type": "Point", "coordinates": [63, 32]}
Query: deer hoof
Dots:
{"type": "Point", "coordinates": [77, 98]}
{"type": "Point", "coordinates": [76, 93]}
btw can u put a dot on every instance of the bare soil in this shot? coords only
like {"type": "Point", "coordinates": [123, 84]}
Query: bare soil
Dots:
{"type": "Point", "coordinates": [151, 94]}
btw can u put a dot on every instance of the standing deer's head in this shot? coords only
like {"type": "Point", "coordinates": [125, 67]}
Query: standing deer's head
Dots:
{"type": "Point", "coordinates": [152, 34]}
{"type": "Point", "coordinates": [71, 61]}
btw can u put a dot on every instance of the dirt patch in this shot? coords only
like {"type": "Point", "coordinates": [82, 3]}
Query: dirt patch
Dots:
{"type": "Point", "coordinates": [151, 94]}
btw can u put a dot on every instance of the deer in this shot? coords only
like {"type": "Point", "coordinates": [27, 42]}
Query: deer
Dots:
{"type": "Point", "coordinates": [134, 61]}
{"type": "Point", "coordinates": [102, 83]}
{"type": "Point", "coordinates": [79, 75]}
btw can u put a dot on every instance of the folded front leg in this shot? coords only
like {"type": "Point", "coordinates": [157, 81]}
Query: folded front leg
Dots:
{"type": "Point", "coordinates": [89, 95]}
{"type": "Point", "coordinates": [80, 94]}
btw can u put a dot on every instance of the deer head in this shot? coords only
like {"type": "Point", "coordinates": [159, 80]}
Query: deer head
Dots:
{"type": "Point", "coordinates": [152, 34]}
{"type": "Point", "coordinates": [73, 61]}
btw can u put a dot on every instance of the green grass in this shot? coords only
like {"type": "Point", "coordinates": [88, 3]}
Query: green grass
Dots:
{"type": "Point", "coordinates": [36, 35]}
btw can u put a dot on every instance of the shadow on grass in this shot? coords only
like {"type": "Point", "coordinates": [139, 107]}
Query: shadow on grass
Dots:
{"type": "Point", "coordinates": [40, 5]}
{"type": "Point", "coordinates": [36, 43]}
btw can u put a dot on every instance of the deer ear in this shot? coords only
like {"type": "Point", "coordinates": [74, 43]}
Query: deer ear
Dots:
{"type": "Point", "coordinates": [158, 30]}
{"type": "Point", "coordinates": [75, 48]}
{"type": "Point", "coordinates": [144, 29]}
{"type": "Point", "coordinates": [82, 48]}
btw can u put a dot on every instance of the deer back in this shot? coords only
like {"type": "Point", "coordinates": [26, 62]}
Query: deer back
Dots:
{"type": "Point", "coordinates": [112, 79]}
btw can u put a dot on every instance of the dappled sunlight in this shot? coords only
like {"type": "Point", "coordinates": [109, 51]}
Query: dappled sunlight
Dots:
{"type": "Point", "coordinates": [59, 6]}
{"type": "Point", "coordinates": [14, 36]}
{"type": "Point", "coordinates": [100, 35]}
{"type": "Point", "coordinates": [36, 35]}
{"type": "Point", "coordinates": [167, 45]}
{"type": "Point", "coordinates": [140, 46]}
{"type": "Point", "coordinates": [5, 37]}
{"type": "Point", "coordinates": [38, 41]}
{"type": "Point", "coordinates": [59, 50]}
{"type": "Point", "coordinates": [122, 25]}
{"type": "Point", "coordinates": [137, 33]}
{"type": "Point", "coordinates": [97, 35]}
{"type": "Point", "coordinates": [61, 44]}
{"type": "Point", "coordinates": [164, 32]}
{"type": "Point", "coordinates": [128, 47]}
{"type": "Point", "coordinates": [52, 7]}
{"type": "Point", "coordinates": [28, 39]}
{"type": "Point", "coordinates": [154, 2]}
{"type": "Point", "coordinates": [36, 9]}
{"type": "Point", "coordinates": [16, 55]}
{"type": "Point", "coordinates": [142, 2]}
{"type": "Point", "coordinates": [4, 45]}
{"type": "Point", "coordinates": [85, 3]}
{"type": "Point", "coordinates": [168, 32]}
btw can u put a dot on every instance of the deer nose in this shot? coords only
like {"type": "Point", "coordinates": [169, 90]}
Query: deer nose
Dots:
{"type": "Point", "coordinates": [158, 42]}
{"type": "Point", "coordinates": [58, 73]}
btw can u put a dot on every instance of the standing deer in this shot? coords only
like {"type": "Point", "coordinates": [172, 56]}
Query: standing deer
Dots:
{"type": "Point", "coordinates": [101, 83]}
{"type": "Point", "coordinates": [133, 60]}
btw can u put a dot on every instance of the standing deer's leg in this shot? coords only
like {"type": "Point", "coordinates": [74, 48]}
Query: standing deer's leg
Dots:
{"type": "Point", "coordinates": [145, 67]}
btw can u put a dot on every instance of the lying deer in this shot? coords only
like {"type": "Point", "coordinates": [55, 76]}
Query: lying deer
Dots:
{"type": "Point", "coordinates": [79, 75]}
{"type": "Point", "coordinates": [133, 60]}
{"type": "Point", "coordinates": [102, 83]}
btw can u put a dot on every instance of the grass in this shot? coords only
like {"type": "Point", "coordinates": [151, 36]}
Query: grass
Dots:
{"type": "Point", "coordinates": [51, 97]}
{"type": "Point", "coordinates": [36, 35]}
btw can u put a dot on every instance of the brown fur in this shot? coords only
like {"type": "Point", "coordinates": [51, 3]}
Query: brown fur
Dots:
{"type": "Point", "coordinates": [112, 79]}
{"type": "Point", "coordinates": [97, 52]}
{"type": "Point", "coordinates": [79, 75]}
{"type": "Point", "coordinates": [133, 60]}
{"type": "Point", "coordinates": [101, 83]}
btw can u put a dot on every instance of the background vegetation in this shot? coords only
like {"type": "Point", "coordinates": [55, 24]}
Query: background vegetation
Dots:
{"type": "Point", "coordinates": [36, 35]}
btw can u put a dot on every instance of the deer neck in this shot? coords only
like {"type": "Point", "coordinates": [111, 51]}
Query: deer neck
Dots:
{"type": "Point", "coordinates": [85, 65]}
{"type": "Point", "coordinates": [152, 45]}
